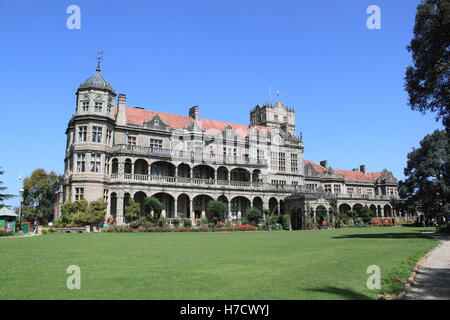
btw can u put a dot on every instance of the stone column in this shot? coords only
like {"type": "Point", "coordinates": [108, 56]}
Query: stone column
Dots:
{"type": "Point", "coordinates": [119, 211]}
{"type": "Point", "coordinates": [229, 211]}
{"type": "Point", "coordinates": [175, 212]}
{"type": "Point", "coordinates": [279, 207]}
{"type": "Point", "coordinates": [191, 207]}
{"type": "Point", "coordinates": [382, 212]}
{"type": "Point", "coordinates": [314, 215]}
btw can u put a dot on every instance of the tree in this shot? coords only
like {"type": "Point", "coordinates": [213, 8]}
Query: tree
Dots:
{"type": "Point", "coordinates": [132, 210]}
{"type": "Point", "coordinates": [40, 194]}
{"type": "Point", "coordinates": [427, 82]}
{"type": "Point", "coordinates": [216, 211]}
{"type": "Point", "coordinates": [253, 215]}
{"type": "Point", "coordinates": [152, 203]}
{"type": "Point", "coordinates": [82, 213]}
{"type": "Point", "coordinates": [3, 196]}
{"type": "Point", "coordinates": [427, 183]}
{"type": "Point", "coordinates": [365, 214]}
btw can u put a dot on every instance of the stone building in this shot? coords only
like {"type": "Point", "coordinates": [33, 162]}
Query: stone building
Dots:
{"type": "Point", "coordinates": [117, 152]}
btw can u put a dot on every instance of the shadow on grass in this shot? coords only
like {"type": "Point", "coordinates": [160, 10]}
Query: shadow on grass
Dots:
{"type": "Point", "coordinates": [348, 294]}
{"type": "Point", "coordinates": [393, 235]}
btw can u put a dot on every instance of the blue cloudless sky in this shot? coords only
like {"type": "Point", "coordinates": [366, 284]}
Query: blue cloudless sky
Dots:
{"type": "Point", "coordinates": [344, 80]}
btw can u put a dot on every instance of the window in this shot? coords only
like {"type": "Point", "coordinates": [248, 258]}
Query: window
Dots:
{"type": "Point", "coordinates": [273, 161]}
{"type": "Point", "coordinates": [156, 143]}
{"type": "Point", "coordinates": [95, 162]}
{"type": "Point", "coordinates": [85, 105]}
{"type": "Point", "coordinates": [107, 165]}
{"type": "Point", "coordinates": [350, 190]}
{"type": "Point", "coordinates": [327, 188]}
{"type": "Point", "coordinates": [97, 134]}
{"type": "Point", "coordinates": [82, 134]}
{"type": "Point", "coordinates": [282, 162]}
{"type": "Point", "coordinates": [275, 117]}
{"type": "Point", "coordinates": [81, 162]}
{"type": "Point", "coordinates": [98, 106]}
{"type": "Point", "coordinates": [131, 140]}
{"type": "Point", "coordinates": [108, 137]}
{"type": "Point", "coordinates": [311, 186]}
{"type": "Point", "coordinates": [294, 162]}
{"type": "Point", "coordinates": [370, 191]}
{"type": "Point", "coordinates": [109, 107]}
{"type": "Point", "coordinates": [79, 194]}
{"type": "Point", "coordinates": [105, 195]}
{"type": "Point", "coordinates": [259, 155]}
{"type": "Point", "coordinates": [337, 188]}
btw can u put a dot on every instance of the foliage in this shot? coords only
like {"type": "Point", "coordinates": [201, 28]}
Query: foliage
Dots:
{"type": "Point", "coordinates": [286, 221]}
{"type": "Point", "coordinates": [445, 228]}
{"type": "Point", "coordinates": [427, 183]}
{"type": "Point", "coordinates": [187, 222]}
{"type": "Point", "coordinates": [3, 196]}
{"type": "Point", "coordinates": [352, 214]}
{"type": "Point", "coordinates": [427, 82]}
{"type": "Point", "coordinates": [152, 204]}
{"type": "Point", "coordinates": [253, 215]}
{"type": "Point", "coordinates": [4, 233]}
{"type": "Point", "coordinates": [39, 195]}
{"type": "Point", "coordinates": [82, 213]}
{"type": "Point", "coordinates": [365, 214]}
{"type": "Point", "coordinates": [138, 222]}
{"type": "Point", "coordinates": [216, 211]}
{"type": "Point", "coordinates": [132, 211]}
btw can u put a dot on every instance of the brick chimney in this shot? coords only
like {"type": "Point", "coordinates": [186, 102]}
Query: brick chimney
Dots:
{"type": "Point", "coordinates": [121, 99]}
{"type": "Point", "coordinates": [193, 112]}
{"type": "Point", "coordinates": [121, 118]}
{"type": "Point", "coordinates": [324, 163]}
{"type": "Point", "coordinates": [362, 168]}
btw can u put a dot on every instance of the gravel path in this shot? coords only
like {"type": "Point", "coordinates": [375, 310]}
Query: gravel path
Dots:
{"type": "Point", "coordinates": [432, 281]}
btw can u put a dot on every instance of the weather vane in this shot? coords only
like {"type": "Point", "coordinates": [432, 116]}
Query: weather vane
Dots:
{"type": "Point", "coordinates": [99, 58]}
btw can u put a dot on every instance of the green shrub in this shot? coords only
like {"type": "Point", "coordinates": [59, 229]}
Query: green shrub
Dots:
{"type": "Point", "coordinates": [187, 223]}
{"type": "Point", "coordinates": [253, 215]}
{"type": "Point", "coordinates": [445, 228]}
{"type": "Point", "coordinates": [118, 229]}
{"type": "Point", "coordinates": [139, 222]}
{"type": "Point", "coordinates": [286, 221]}
{"type": "Point", "coordinates": [4, 233]}
{"type": "Point", "coordinates": [177, 222]}
{"type": "Point", "coordinates": [162, 222]}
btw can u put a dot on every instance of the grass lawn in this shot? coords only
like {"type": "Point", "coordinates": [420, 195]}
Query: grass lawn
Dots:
{"type": "Point", "coordinates": [320, 264]}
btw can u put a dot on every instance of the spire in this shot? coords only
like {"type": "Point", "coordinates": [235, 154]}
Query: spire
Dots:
{"type": "Point", "coordinates": [99, 58]}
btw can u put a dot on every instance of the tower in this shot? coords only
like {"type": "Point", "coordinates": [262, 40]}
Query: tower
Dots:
{"type": "Point", "coordinates": [274, 116]}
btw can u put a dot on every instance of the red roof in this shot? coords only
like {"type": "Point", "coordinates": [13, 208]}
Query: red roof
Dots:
{"type": "Point", "coordinates": [348, 174]}
{"type": "Point", "coordinates": [139, 116]}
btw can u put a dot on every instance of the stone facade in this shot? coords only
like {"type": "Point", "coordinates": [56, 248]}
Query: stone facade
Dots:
{"type": "Point", "coordinates": [115, 152]}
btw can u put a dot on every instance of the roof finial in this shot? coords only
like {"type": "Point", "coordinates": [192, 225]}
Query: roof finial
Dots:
{"type": "Point", "coordinates": [99, 58]}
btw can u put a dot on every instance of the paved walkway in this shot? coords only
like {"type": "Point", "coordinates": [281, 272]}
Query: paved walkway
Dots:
{"type": "Point", "coordinates": [432, 281]}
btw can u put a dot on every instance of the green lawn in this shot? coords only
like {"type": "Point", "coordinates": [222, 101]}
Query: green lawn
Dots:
{"type": "Point", "coordinates": [321, 264]}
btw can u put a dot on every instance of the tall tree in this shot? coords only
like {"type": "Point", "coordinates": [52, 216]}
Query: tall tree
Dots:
{"type": "Point", "coordinates": [39, 193]}
{"type": "Point", "coordinates": [427, 82]}
{"type": "Point", "coordinates": [427, 183]}
{"type": "Point", "coordinates": [3, 196]}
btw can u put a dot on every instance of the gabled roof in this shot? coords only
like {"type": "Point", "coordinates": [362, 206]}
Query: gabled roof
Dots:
{"type": "Point", "coordinates": [138, 116]}
{"type": "Point", "coordinates": [349, 175]}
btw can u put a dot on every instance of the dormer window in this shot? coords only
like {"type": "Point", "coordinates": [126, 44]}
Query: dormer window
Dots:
{"type": "Point", "coordinates": [156, 122]}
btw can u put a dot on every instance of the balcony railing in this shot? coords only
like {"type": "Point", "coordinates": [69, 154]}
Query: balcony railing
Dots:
{"type": "Point", "coordinates": [169, 180]}
{"type": "Point", "coordinates": [189, 156]}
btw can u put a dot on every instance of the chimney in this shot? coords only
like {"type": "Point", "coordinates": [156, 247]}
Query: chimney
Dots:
{"type": "Point", "coordinates": [121, 118]}
{"type": "Point", "coordinates": [193, 112]}
{"type": "Point", "coordinates": [362, 168]}
{"type": "Point", "coordinates": [355, 170]}
{"type": "Point", "coordinates": [122, 99]}
{"type": "Point", "coordinates": [324, 163]}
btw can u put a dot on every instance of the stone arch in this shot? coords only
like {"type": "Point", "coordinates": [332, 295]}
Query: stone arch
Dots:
{"type": "Point", "coordinates": [139, 197]}
{"type": "Point", "coordinates": [162, 168]}
{"type": "Point", "coordinates": [357, 207]}
{"type": "Point", "coordinates": [128, 166]}
{"type": "Point", "coordinates": [387, 211]}
{"type": "Point", "coordinates": [256, 175]}
{"type": "Point", "coordinates": [183, 206]}
{"type": "Point", "coordinates": [344, 208]}
{"type": "Point", "coordinates": [258, 203]}
{"type": "Point", "coordinates": [239, 204]}
{"type": "Point", "coordinates": [200, 205]}
{"type": "Point", "coordinates": [240, 174]}
{"type": "Point", "coordinates": [273, 206]}
{"type": "Point", "coordinates": [222, 173]}
{"type": "Point", "coordinates": [141, 167]}
{"type": "Point", "coordinates": [203, 171]}
{"type": "Point", "coordinates": [184, 170]}
{"type": "Point", "coordinates": [168, 202]}
{"type": "Point", "coordinates": [321, 214]}
{"type": "Point", "coordinates": [373, 209]}
{"type": "Point", "coordinates": [113, 205]}
{"type": "Point", "coordinates": [115, 165]}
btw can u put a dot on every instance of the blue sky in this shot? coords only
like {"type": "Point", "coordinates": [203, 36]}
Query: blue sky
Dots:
{"type": "Point", "coordinates": [344, 80]}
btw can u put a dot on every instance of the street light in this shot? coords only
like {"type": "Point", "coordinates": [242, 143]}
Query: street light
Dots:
{"type": "Point", "coordinates": [21, 202]}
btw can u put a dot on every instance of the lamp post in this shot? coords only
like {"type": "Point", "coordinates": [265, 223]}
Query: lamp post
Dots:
{"type": "Point", "coordinates": [21, 202]}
